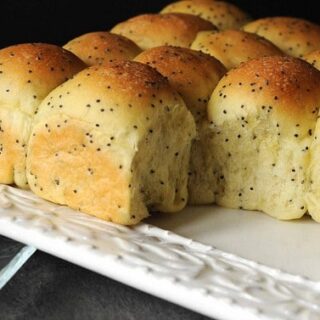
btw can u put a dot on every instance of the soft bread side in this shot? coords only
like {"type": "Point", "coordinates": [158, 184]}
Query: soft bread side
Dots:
{"type": "Point", "coordinates": [113, 142]}
{"type": "Point", "coordinates": [28, 72]}
{"type": "Point", "coordinates": [264, 116]}
{"type": "Point", "coordinates": [194, 75]}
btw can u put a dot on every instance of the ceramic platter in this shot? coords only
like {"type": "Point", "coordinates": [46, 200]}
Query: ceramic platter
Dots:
{"type": "Point", "coordinates": [226, 264]}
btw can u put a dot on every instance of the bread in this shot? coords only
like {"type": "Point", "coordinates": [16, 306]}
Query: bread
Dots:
{"type": "Point", "coordinates": [194, 75]}
{"type": "Point", "coordinates": [264, 116]}
{"type": "Point", "coordinates": [153, 30]}
{"type": "Point", "coordinates": [222, 14]}
{"type": "Point", "coordinates": [313, 195]}
{"type": "Point", "coordinates": [233, 47]}
{"type": "Point", "coordinates": [313, 58]}
{"type": "Point", "coordinates": [28, 72]}
{"type": "Point", "coordinates": [118, 145]}
{"type": "Point", "coordinates": [96, 48]}
{"type": "Point", "coordinates": [294, 36]}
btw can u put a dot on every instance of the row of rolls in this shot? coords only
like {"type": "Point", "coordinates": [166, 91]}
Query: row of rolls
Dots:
{"type": "Point", "coordinates": [198, 104]}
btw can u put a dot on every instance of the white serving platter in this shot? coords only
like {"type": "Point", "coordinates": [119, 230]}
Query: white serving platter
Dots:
{"type": "Point", "coordinates": [226, 264]}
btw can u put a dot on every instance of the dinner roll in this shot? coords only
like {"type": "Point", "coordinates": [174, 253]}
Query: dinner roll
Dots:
{"type": "Point", "coordinates": [153, 30]}
{"type": "Point", "coordinates": [313, 58]}
{"type": "Point", "coordinates": [96, 48]}
{"type": "Point", "coordinates": [194, 75]}
{"type": "Point", "coordinates": [263, 116]}
{"type": "Point", "coordinates": [222, 14]}
{"type": "Point", "coordinates": [28, 72]}
{"type": "Point", "coordinates": [313, 195]}
{"type": "Point", "coordinates": [294, 36]}
{"type": "Point", "coordinates": [112, 142]}
{"type": "Point", "coordinates": [233, 47]}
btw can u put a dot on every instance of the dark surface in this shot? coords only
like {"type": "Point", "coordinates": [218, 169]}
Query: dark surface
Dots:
{"type": "Point", "coordinates": [8, 249]}
{"type": "Point", "coordinates": [60, 20]}
{"type": "Point", "coordinates": [47, 288]}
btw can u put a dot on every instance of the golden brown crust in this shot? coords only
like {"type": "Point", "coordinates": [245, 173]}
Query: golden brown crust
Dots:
{"type": "Point", "coordinates": [222, 14]}
{"type": "Point", "coordinates": [313, 58]}
{"type": "Point", "coordinates": [191, 73]}
{"type": "Point", "coordinates": [289, 87]}
{"type": "Point", "coordinates": [28, 72]}
{"type": "Point", "coordinates": [153, 30]}
{"type": "Point", "coordinates": [233, 47]}
{"type": "Point", "coordinates": [121, 85]}
{"type": "Point", "coordinates": [294, 36]}
{"type": "Point", "coordinates": [96, 48]}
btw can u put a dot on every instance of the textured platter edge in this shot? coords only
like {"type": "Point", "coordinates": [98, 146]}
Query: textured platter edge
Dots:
{"type": "Point", "coordinates": [177, 269]}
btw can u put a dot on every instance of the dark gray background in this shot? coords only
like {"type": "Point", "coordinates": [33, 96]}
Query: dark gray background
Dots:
{"type": "Point", "coordinates": [58, 21]}
{"type": "Point", "coordinates": [49, 288]}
